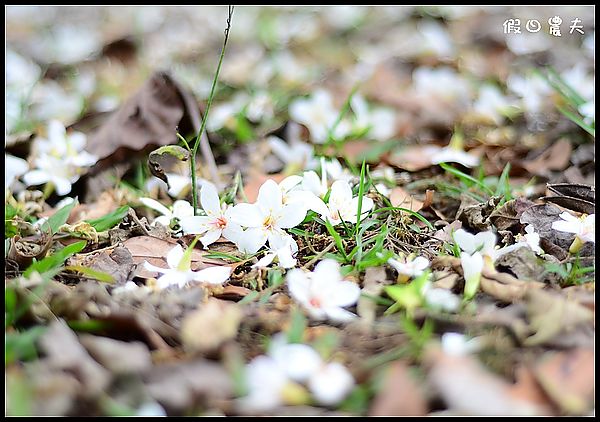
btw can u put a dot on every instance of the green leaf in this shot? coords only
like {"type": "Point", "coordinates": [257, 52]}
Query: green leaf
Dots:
{"type": "Point", "coordinates": [466, 178]}
{"type": "Point", "coordinates": [109, 220]}
{"type": "Point", "coordinates": [337, 238]}
{"type": "Point", "coordinates": [91, 273]}
{"type": "Point", "coordinates": [295, 333]}
{"type": "Point", "coordinates": [21, 345]}
{"type": "Point", "coordinates": [59, 218]}
{"type": "Point", "coordinates": [55, 260]}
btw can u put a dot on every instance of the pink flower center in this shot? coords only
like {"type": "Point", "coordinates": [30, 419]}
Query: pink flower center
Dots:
{"type": "Point", "coordinates": [221, 222]}
{"type": "Point", "coordinates": [315, 302]}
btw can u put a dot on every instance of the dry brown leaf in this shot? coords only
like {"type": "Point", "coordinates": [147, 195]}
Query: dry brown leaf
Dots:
{"type": "Point", "coordinates": [568, 378]}
{"type": "Point", "coordinates": [255, 181]}
{"type": "Point", "coordinates": [468, 388]}
{"type": "Point", "coordinates": [154, 250]}
{"type": "Point", "coordinates": [411, 158]}
{"type": "Point", "coordinates": [554, 158]}
{"type": "Point", "coordinates": [119, 357]}
{"type": "Point", "coordinates": [400, 198]}
{"type": "Point", "coordinates": [399, 395]}
{"type": "Point", "coordinates": [528, 388]}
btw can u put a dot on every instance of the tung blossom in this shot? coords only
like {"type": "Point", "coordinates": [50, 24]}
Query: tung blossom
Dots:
{"type": "Point", "coordinates": [284, 254]}
{"type": "Point", "coordinates": [180, 273]}
{"type": "Point", "coordinates": [409, 268]}
{"type": "Point", "coordinates": [323, 292]}
{"type": "Point", "coordinates": [179, 211]}
{"type": "Point", "coordinates": [343, 206]}
{"type": "Point", "coordinates": [59, 159]}
{"type": "Point", "coordinates": [265, 220]}
{"type": "Point", "coordinates": [216, 221]}
{"type": "Point", "coordinates": [583, 227]}
{"type": "Point", "coordinates": [478, 251]}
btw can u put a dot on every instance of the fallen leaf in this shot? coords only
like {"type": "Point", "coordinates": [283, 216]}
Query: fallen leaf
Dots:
{"type": "Point", "coordinates": [117, 262]}
{"type": "Point", "coordinates": [179, 386]}
{"type": "Point", "coordinates": [554, 158]}
{"type": "Point", "coordinates": [399, 394]}
{"type": "Point", "coordinates": [551, 314]}
{"type": "Point", "coordinates": [468, 388]}
{"type": "Point", "coordinates": [255, 181]}
{"type": "Point", "coordinates": [568, 378]}
{"type": "Point", "coordinates": [63, 351]}
{"type": "Point", "coordinates": [400, 198]}
{"type": "Point", "coordinates": [527, 387]}
{"type": "Point", "coordinates": [373, 283]}
{"type": "Point", "coordinates": [119, 357]}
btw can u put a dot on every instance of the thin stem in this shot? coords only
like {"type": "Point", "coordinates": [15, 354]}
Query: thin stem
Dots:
{"type": "Point", "coordinates": [192, 172]}
{"type": "Point", "coordinates": [205, 117]}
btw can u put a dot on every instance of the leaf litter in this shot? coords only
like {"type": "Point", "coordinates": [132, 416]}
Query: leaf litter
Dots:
{"type": "Point", "coordinates": [369, 294]}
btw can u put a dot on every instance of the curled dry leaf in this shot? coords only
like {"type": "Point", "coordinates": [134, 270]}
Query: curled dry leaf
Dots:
{"type": "Point", "coordinates": [400, 198]}
{"type": "Point", "coordinates": [117, 261]}
{"type": "Point", "coordinates": [23, 250]}
{"type": "Point", "coordinates": [552, 314]}
{"type": "Point", "coordinates": [554, 158]}
{"type": "Point", "coordinates": [505, 287]}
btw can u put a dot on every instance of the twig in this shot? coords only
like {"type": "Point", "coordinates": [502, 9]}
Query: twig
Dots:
{"type": "Point", "coordinates": [318, 256]}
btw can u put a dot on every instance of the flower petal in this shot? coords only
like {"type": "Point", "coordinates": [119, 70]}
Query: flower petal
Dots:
{"type": "Point", "coordinates": [339, 315]}
{"type": "Point", "coordinates": [209, 199]}
{"type": "Point", "coordinates": [172, 278]}
{"type": "Point", "coordinates": [346, 294]}
{"type": "Point", "coordinates": [289, 183]}
{"type": "Point", "coordinates": [248, 241]}
{"type": "Point", "coordinates": [195, 224]}
{"type": "Point", "coordinates": [246, 215]}
{"type": "Point", "coordinates": [156, 206]}
{"type": "Point", "coordinates": [151, 267]}
{"type": "Point", "coordinates": [269, 197]}
{"type": "Point", "coordinates": [213, 275]}
{"type": "Point", "coordinates": [331, 384]}
{"type": "Point", "coordinates": [211, 237]}
{"type": "Point", "coordinates": [265, 261]}
{"type": "Point", "coordinates": [61, 185]}
{"type": "Point", "coordinates": [36, 177]}
{"type": "Point", "coordinates": [174, 256]}
{"type": "Point", "coordinates": [298, 286]}
{"type": "Point", "coordinates": [290, 216]}
{"type": "Point", "coordinates": [182, 209]}
{"type": "Point", "coordinates": [327, 270]}
{"type": "Point", "coordinates": [465, 241]}
{"type": "Point", "coordinates": [341, 194]}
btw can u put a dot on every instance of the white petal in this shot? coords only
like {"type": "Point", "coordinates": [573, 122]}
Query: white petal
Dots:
{"type": "Point", "coordinates": [62, 185]}
{"type": "Point", "coordinates": [265, 261]}
{"type": "Point", "coordinates": [289, 183]}
{"type": "Point", "coordinates": [290, 216]}
{"type": "Point", "coordinates": [213, 275]}
{"type": "Point", "coordinates": [247, 215]}
{"type": "Point", "coordinates": [566, 226]}
{"type": "Point", "coordinates": [347, 293]}
{"type": "Point", "coordinates": [211, 237]}
{"type": "Point", "coordinates": [331, 384]}
{"type": "Point", "coordinates": [248, 241]}
{"type": "Point", "coordinates": [269, 197]}
{"type": "Point", "coordinates": [486, 242]}
{"type": "Point", "coordinates": [172, 278]}
{"type": "Point", "coordinates": [156, 206]}
{"type": "Point", "coordinates": [280, 148]}
{"type": "Point", "coordinates": [151, 267]}
{"type": "Point", "coordinates": [298, 286]}
{"type": "Point", "coordinates": [327, 270]}
{"type": "Point", "coordinates": [339, 315]}
{"type": "Point", "coordinates": [174, 256]}
{"type": "Point", "coordinates": [465, 241]}
{"type": "Point", "coordinates": [341, 193]}
{"type": "Point", "coordinates": [312, 183]}
{"type": "Point", "coordinates": [182, 209]}
{"type": "Point", "coordinates": [36, 177]}
{"type": "Point", "coordinates": [195, 224]}
{"type": "Point", "coordinates": [285, 257]}
{"type": "Point", "coordinates": [163, 220]}
{"type": "Point", "coordinates": [299, 361]}
{"type": "Point", "coordinates": [209, 198]}
{"type": "Point", "coordinates": [421, 263]}
{"type": "Point", "coordinates": [177, 183]}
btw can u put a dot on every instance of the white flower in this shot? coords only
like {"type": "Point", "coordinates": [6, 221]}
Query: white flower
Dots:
{"type": "Point", "coordinates": [472, 265]}
{"type": "Point", "coordinates": [265, 381]}
{"type": "Point", "coordinates": [443, 299]}
{"type": "Point", "coordinates": [298, 361]}
{"type": "Point", "coordinates": [528, 42]}
{"type": "Point", "coordinates": [435, 39]}
{"type": "Point", "coordinates": [179, 272]}
{"type": "Point", "coordinates": [583, 227]}
{"type": "Point", "coordinates": [410, 267]}
{"type": "Point", "coordinates": [284, 254]}
{"type": "Point", "coordinates": [59, 159]}
{"type": "Point", "coordinates": [296, 155]}
{"type": "Point", "coordinates": [293, 192]}
{"type": "Point", "coordinates": [13, 168]}
{"type": "Point", "coordinates": [478, 251]}
{"type": "Point", "coordinates": [266, 219]}
{"type": "Point", "coordinates": [449, 154]}
{"type": "Point", "coordinates": [322, 292]}
{"type": "Point", "coordinates": [483, 242]}
{"type": "Point", "coordinates": [456, 344]}
{"type": "Point", "coordinates": [318, 114]}
{"type": "Point", "coordinates": [260, 107]}
{"type": "Point", "coordinates": [331, 384]}
{"type": "Point", "coordinates": [491, 104]}
{"type": "Point", "coordinates": [216, 221]}
{"type": "Point", "coordinates": [49, 101]}
{"type": "Point", "coordinates": [442, 83]}
{"type": "Point", "coordinates": [181, 209]}
{"type": "Point", "coordinates": [177, 184]}
{"type": "Point", "coordinates": [531, 239]}
{"type": "Point", "coordinates": [532, 89]}
{"type": "Point", "coordinates": [380, 123]}
{"type": "Point", "coordinates": [334, 170]}
{"type": "Point", "coordinates": [342, 206]}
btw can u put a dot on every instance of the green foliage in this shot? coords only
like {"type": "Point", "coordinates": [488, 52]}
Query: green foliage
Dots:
{"type": "Point", "coordinates": [51, 263]}
{"type": "Point", "coordinates": [59, 218]}
{"type": "Point", "coordinates": [20, 346]}
{"type": "Point", "coordinates": [407, 296]}
{"type": "Point", "coordinates": [298, 323]}
{"type": "Point", "coordinates": [572, 273]}
{"type": "Point", "coordinates": [109, 220]}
